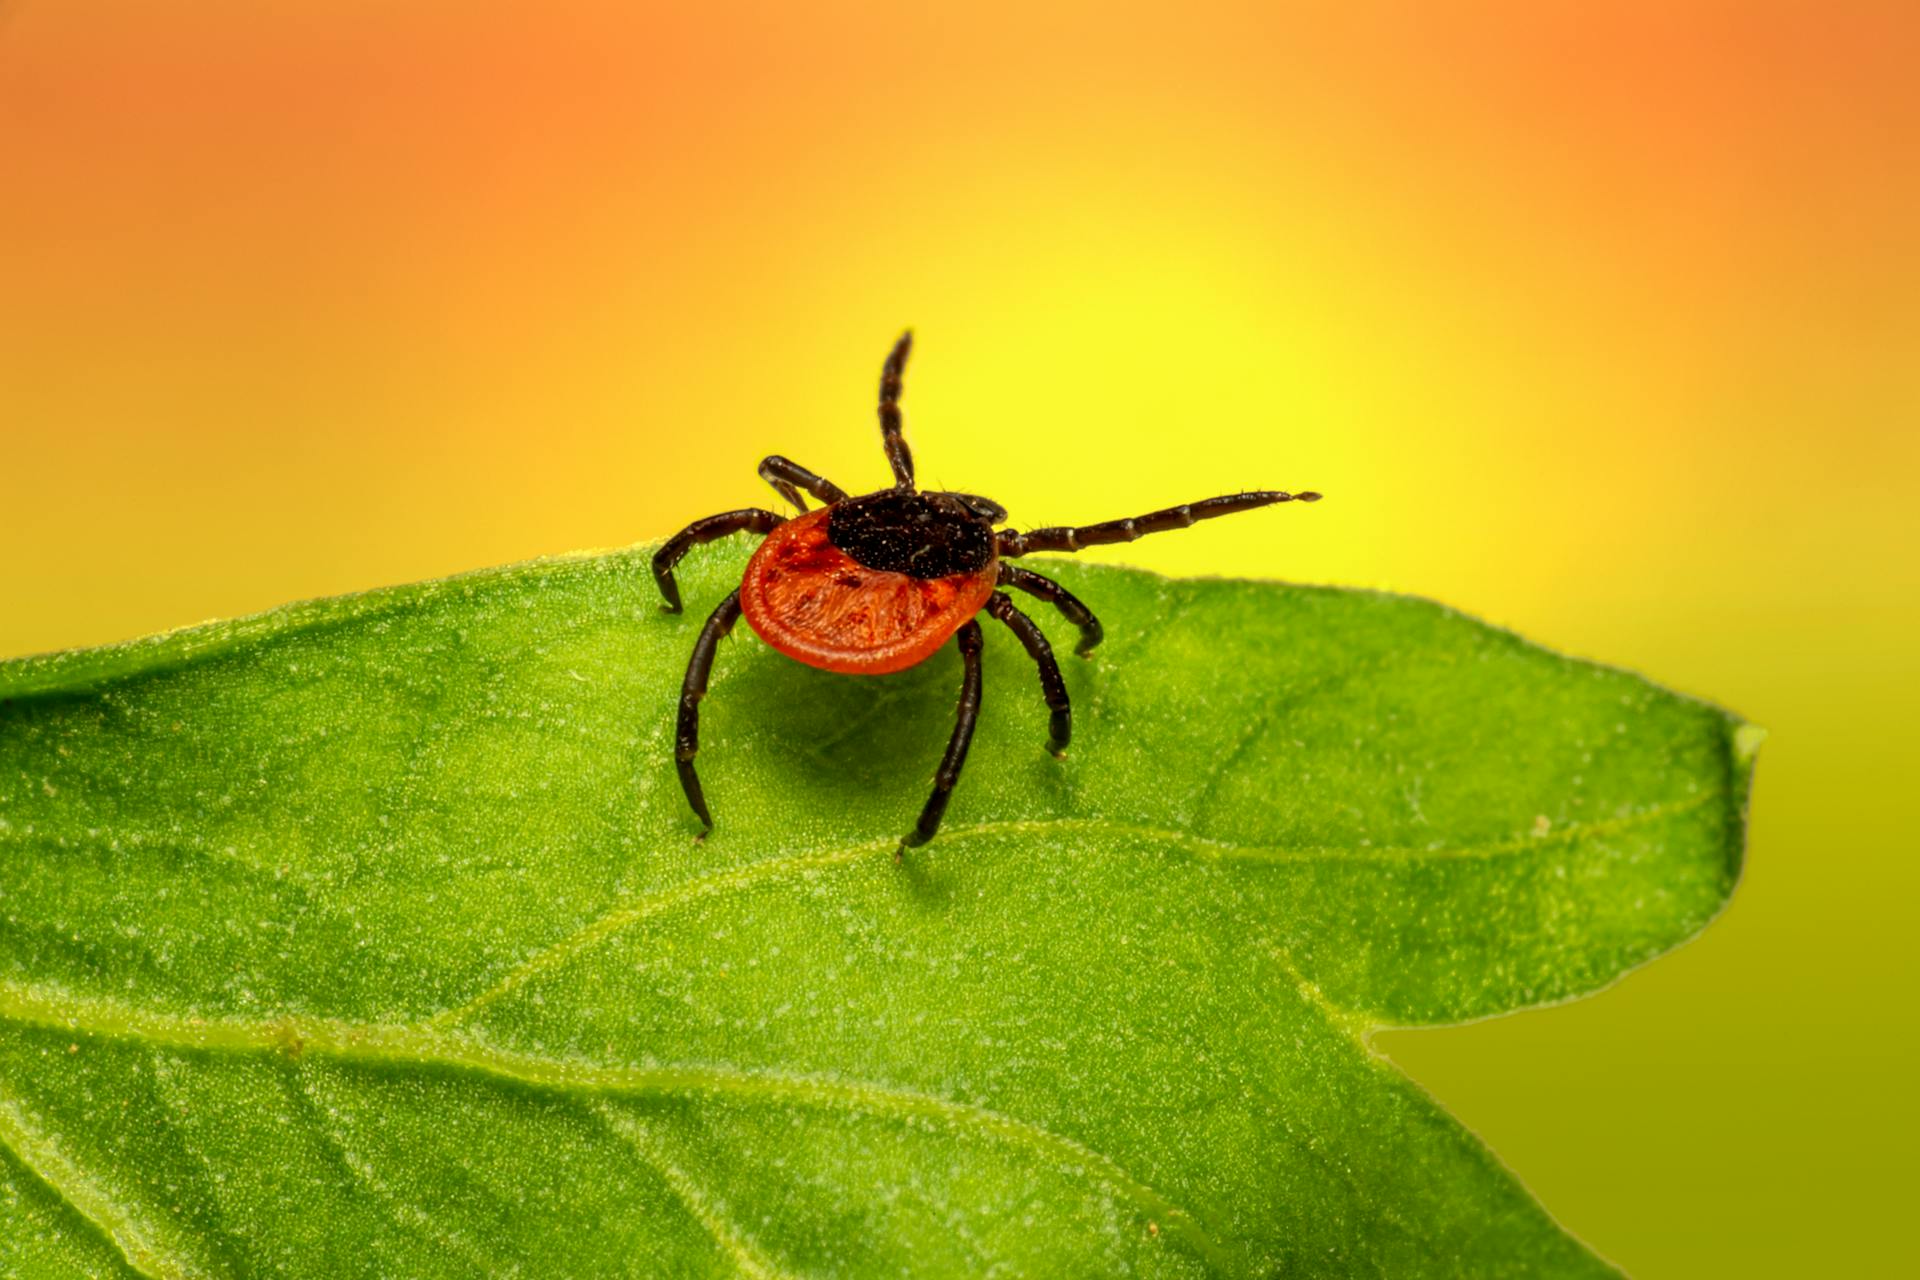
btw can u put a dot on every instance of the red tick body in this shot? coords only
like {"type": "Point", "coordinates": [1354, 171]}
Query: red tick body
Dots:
{"type": "Point", "coordinates": [819, 605]}
{"type": "Point", "coordinates": [873, 584]}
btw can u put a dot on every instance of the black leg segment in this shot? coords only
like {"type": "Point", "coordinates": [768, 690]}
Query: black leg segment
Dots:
{"type": "Point", "coordinates": [784, 474]}
{"type": "Point", "coordinates": [1091, 632]}
{"type": "Point", "coordinates": [1052, 687]}
{"type": "Point", "coordinates": [687, 734]}
{"type": "Point", "coordinates": [966, 714]}
{"type": "Point", "coordinates": [1073, 538]}
{"type": "Point", "coordinates": [700, 531]}
{"type": "Point", "coordinates": [898, 456]}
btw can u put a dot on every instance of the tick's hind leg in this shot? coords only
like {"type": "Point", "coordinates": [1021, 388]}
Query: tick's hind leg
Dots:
{"type": "Point", "coordinates": [1052, 687]}
{"type": "Point", "coordinates": [1091, 632]}
{"type": "Point", "coordinates": [784, 474]}
{"type": "Point", "coordinates": [949, 771]}
{"type": "Point", "coordinates": [687, 737]}
{"type": "Point", "coordinates": [700, 531]}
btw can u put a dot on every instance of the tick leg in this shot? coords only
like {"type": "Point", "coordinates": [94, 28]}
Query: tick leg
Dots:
{"type": "Point", "coordinates": [705, 531]}
{"type": "Point", "coordinates": [687, 738]}
{"type": "Point", "coordinates": [1052, 687]}
{"type": "Point", "coordinates": [898, 455]}
{"type": "Point", "coordinates": [949, 771]}
{"type": "Point", "coordinates": [1091, 633]}
{"type": "Point", "coordinates": [784, 474]}
{"type": "Point", "coordinates": [1073, 538]}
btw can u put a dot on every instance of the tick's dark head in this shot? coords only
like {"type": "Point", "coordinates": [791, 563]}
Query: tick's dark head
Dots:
{"type": "Point", "coordinates": [923, 535]}
{"type": "Point", "coordinates": [986, 508]}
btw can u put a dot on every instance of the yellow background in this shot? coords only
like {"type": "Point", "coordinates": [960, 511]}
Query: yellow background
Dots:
{"type": "Point", "coordinates": [1599, 321]}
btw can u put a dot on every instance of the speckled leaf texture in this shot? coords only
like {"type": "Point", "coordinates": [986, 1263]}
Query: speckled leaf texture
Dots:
{"type": "Point", "coordinates": [370, 937]}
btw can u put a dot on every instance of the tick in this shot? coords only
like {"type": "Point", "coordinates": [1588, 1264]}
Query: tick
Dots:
{"type": "Point", "coordinates": [877, 583]}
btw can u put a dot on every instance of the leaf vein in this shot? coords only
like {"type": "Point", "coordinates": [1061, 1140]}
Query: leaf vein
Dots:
{"type": "Point", "coordinates": [618, 918]}
{"type": "Point", "coordinates": [43, 1157]}
{"type": "Point", "coordinates": [409, 1217]}
{"type": "Point", "coordinates": [743, 1253]}
{"type": "Point", "coordinates": [1349, 1023]}
{"type": "Point", "coordinates": [424, 1046]}
{"type": "Point", "coordinates": [1202, 847]}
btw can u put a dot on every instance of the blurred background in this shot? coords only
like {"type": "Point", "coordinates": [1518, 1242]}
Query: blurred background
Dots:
{"type": "Point", "coordinates": [1600, 322]}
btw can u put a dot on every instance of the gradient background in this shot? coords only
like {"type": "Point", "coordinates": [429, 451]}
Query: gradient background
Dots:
{"type": "Point", "coordinates": [1601, 325]}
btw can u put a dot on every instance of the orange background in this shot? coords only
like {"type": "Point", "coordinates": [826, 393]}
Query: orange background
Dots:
{"type": "Point", "coordinates": [1597, 321]}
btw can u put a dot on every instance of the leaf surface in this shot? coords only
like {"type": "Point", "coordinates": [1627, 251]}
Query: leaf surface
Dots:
{"type": "Point", "coordinates": [370, 937]}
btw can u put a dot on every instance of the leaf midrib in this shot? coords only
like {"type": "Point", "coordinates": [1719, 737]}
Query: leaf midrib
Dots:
{"type": "Point", "coordinates": [427, 1044]}
{"type": "Point", "coordinates": [416, 1046]}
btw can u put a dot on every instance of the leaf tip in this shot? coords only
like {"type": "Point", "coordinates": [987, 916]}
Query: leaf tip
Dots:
{"type": "Point", "coordinates": [1746, 744]}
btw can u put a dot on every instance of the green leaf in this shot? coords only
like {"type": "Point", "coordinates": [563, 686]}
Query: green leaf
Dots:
{"type": "Point", "coordinates": [371, 937]}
